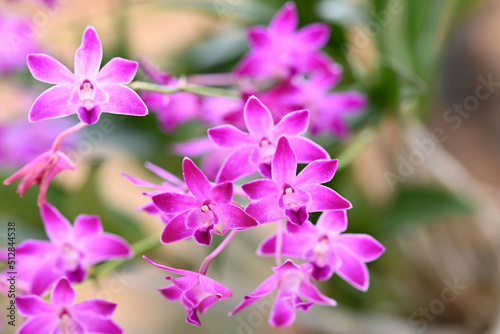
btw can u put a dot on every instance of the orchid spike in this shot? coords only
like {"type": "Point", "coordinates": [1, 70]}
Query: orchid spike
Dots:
{"type": "Point", "coordinates": [196, 292]}
{"type": "Point", "coordinates": [88, 92]}
{"type": "Point", "coordinates": [62, 315]}
{"type": "Point", "coordinates": [291, 196]}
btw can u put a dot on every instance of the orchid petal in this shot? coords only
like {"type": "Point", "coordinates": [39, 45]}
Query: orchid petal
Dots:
{"type": "Point", "coordinates": [319, 171]}
{"type": "Point", "coordinates": [258, 118]}
{"type": "Point", "coordinates": [363, 246]}
{"type": "Point", "coordinates": [324, 198]}
{"type": "Point", "coordinates": [196, 181]}
{"type": "Point", "coordinates": [118, 71]}
{"type": "Point", "coordinates": [88, 57]}
{"type": "Point", "coordinates": [58, 228]}
{"type": "Point", "coordinates": [284, 166]}
{"type": "Point", "coordinates": [123, 101]}
{"type": "Point", "coordinates": [228, 136]}
{"type": "Point", "coordinates": [47, 69]}
{"type": "Point", "coordinates": [53, 103]}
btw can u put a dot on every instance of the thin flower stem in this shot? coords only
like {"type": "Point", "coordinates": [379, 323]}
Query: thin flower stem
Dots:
{"type": "Point", "coordinates": [139, 248]}
{"type": "Point", "coordinates": [279, 242]}
{"type": "Point", "coordinates": [184, 87]}
{"type": "Point", "coordinates": [212, 79]}
{"type": "Point", "coordinates": [358, 145]}
{"type": "Point", "coordinates": [204, 265]}
{"type": "Point", "coordinates": [65, 133]}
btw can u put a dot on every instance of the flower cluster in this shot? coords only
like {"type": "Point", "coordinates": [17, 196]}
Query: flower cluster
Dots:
{"type": "Point", "coordinates": [259, 166]}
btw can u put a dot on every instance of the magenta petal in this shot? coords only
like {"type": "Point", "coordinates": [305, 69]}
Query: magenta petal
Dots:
{"type": "Point", "coordinates": [324, 198]}
{"type": "Point", "coordinates": [188, 273]}
{"type": "Point", "coordinates": [206, 303]}
{"type": "Point", "coordinates": [40, 324]}
{"type": "Point", "coordinates": [265, 210]}
{"type": "Point", "coordinates": [258, 118]}
{"type": "Point", "coordinates": [203, 234]}
{"type": "Point", "coordinates": [298, 216]}
{"type": "Point", "coordinates": [319, 171]}
{"type": "Point", "coordinates": [257, 37]}
{"type": "Point", "coordinates": [123, 100]}
{"type": "Point", "coordinates": [47, 69]}
{"type": "Point", "coordinates": [35, 247]}
{"type": "Point", "coordinates": [284, 166]}
{"type": "Point", "coordinates": [263, 289]}
{"type": "Point", "coordinates": [255, 64]}
{"type": "Point", "coordinates": [311, 292]}
{"type": "Point", "coordinates": [171, 292]}
{"type": "Point", "coordinates": [53, 103]}
{"type": "Point", "coordinates": [350, 102]}
{"type": "Point", "coordinates": [173, 202]}
{"type": "Point", "coordinates": [307, 150]}
{"type": "Point", "coordinates": [31, 305]}
{"type": "Point", "coordinates": [176, 229]}
{"type": "Point", "coordinates": [58, 228]}
{"type": "Point", "coordinates": [236, 218]}
{"type": "Point", "coordinates": [223, 192]}
{"type": "Point", "coordinates": [87, 226]}
{"type": "Point", "coordinates": [97, 306]}
{"type": "Point", "coordinates": [88, 57]}
{"type": "Point", "coordinates": [215, 288]}
{"type": "Point", "coordinates": [332, 222]}
{"type": "Point", "coordinates": [96, 324]}
{"type": "Point", "coordinates": [282, 314]}
{"type": "Point", "coordinates": [228, 136]}
{"type": "Point", "coordinates": [363, 246]}
{"type": "Point", "coordinates": [196, 218]}
{"type": "Point", "coordinates": [236, 165]}
{"type": "Point", "coordinates": [163, 174]}
{"type": "Point", "coordinates": [196, 181]}
{"type": "Point", "coordinates": [62, 294]}
{"type": "Point", "coordinates": [118, 71]}
{"type": "Point", "coordinates": [45, 275]}
{"type": "Point", "coordinates": [293, 124]}
{"type": "Point", "coordinates": [104, 247]}
{"type": "Point", "coordinates": [285, 21]}
{"type": "Point", "coordinates": [352, 270]}
{"type": "Point", "coordinates": [260, 188]}
{"type": "Point", "coordinates": [313, 36]}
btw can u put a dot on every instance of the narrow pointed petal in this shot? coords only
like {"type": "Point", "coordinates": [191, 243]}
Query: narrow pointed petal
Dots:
{"type": "Point", "coordinates": [263, 289]}
{"type": "Point", "coordinates": [324, 198]}
{"type": "Point", "coordinates": [87, 226]}
{"type": "Point", "coordinates": [173, 270]}
{"type": "Point", "coordinates": [258, 118]}
{"type": "Point", "coordinates": [58, 228]}
{"type": "Point", "coordinates": [176, 229]}
{"type": "Point", "coordinates": [296, 245]}
{"type": "Point", "coordinates": [353, 271]}
{"type": "Point", "coordinates": [118, 71]}
{"type": "Point", "coordinates": [257, 37]}
{"type": "Point", "coordinates": [285, 21]}
{"type": "Point", "coordinates": [196, 181]}
{"type": "Point", "coordinates": [311, 292]}
{"type": "Point", "coordinates": [283, 314]}
{"type": "Point", "coordinates": [223, 192]}
{"type": "Point", "coordinates": [255, 64]}
{"type": "Point", "coordinates": [284, 166]}
{"type": "Point", "coordinates": [53, 103]}
{"type": "Point", "coordinates": [228, 136]}
{"type": "Point", "coordinates": [293, 124]}
{"type": "Point", "coordinates": [319, 171]}
{"type": "Point", "coordinates": [307, 150]}
{"type": "Point", "coordinates": [171, 292]}
{"type": "Point", "coordinates": [35, 248]}
{"type": "Point", "coordinates": [265, 210]}
{"type": "Point", "coordinates": [31, 305]}
{"type": "Point", "coordinates": [47, 69]}
{"type": "Point", "coordinates": [333, 222]}
{"type": "Point", "coordinates": [99, 325]}
{"type": "Point", "coordinates": [260, 188]}
{"type": "Point", "coordinates": [62, 294]}
{"type": "Point", "coordinates": [88, 57]}
{"type": "Point", "coordinates": [101, 307]}
{"type": "Point", "coordinates": [313, 36]}
{"type": "Point", "coordinates": [173, 202]}
{"type": "Point", "coordinates": [363, 246]}
{"type": "Point", "coordinates": [236, 218]}
{"type": "Point", "coordinates": [123, 101]}
{"type": "Point", "coordinates": [41, 324]}
{"type": "Point", "coordinates": [166, 175]}
{"type": "Point", "coordinates": [236, 165]}
{"type": "Point", "coordinates": [105, 247]}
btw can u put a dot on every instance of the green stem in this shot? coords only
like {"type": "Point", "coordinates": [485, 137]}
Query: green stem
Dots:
{"type": "Point", "coordinates": [139, 248]}
{"type": "Point", "coordinates": [363, 139]}
{"type": "Point", "coordinates": [185, 87]}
